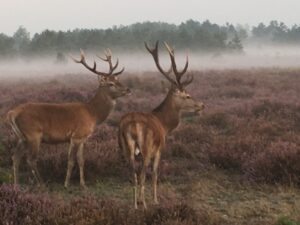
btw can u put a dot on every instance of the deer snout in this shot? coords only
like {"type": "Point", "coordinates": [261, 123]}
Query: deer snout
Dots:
{"type": "Point", "coordinates": [200, 107]}
{"type": "Point", "coordinates": [127, 91]}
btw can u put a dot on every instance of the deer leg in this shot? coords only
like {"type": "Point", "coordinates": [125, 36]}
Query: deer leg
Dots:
{"type": "Point", "coordinates": [128, 148]}
{"type": "Point", "coordinates": [154, 176]}
{"type": "Point", "coordinates": [142, 181]}
{"type": "Point", "coordinates": [135, 180]}
{"type": "Point", "coordinates": [80, 161]}
{"type": "Point", "coordinates": [16, 158]}
{"type": "Point", "coordinates": [32, 160]}
{"type": "Point", "coordinates": [70, 164]}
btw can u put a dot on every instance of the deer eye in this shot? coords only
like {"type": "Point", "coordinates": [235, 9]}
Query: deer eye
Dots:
{"type": "Point", "coordinates": [111, 84]}
{"type": "Point", "coordinates": [188, 96]}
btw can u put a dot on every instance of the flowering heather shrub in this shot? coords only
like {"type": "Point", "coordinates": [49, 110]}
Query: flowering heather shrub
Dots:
{"type": "Point", "coordinates": [190, 142]}
{"type": "Point", "coordinates": [219, 121]}
{"type": "Point", "coordinates": [22, 207]}
{"type": "Point", "coordinates": [102, 158]}
{"type": "Point", "coordinates": [236, 92]}
{"type": "Point", "coordinates": [232, 152]}
{"type": "Point", "coordinates": [274, 110]}
{"type": "Point", "coordinates": [18, 207]}
{"type": "Point", "coordinates": [52, 163]}
{"type": "Point", "coordinates": [251, 123]}
{"type": "Point", "coordinates": [7, 142]}
{"type": "Point", "coordinates": [279, 162]}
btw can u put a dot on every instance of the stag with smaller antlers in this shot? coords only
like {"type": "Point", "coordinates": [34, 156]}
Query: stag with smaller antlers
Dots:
{"type": "Point", "coordinates": [142, 135]}
{"type": "Point", "coordinates": [36, 123]}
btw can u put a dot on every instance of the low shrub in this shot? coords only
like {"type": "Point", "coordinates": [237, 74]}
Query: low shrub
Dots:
{"type": "Point", "coordinates": [279, 162]}
{"type": "Point", "coordinates": [250, 116]}
{"type": "Point", "coordinates": [219, 121]}
{"type": "Point", "coordinates": [22, 207]}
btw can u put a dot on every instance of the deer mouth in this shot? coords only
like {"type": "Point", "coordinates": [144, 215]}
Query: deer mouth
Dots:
{"type": "Point", "coordinates": [199, 109]}
{"type": "Point", "coordinates": [127, 92]}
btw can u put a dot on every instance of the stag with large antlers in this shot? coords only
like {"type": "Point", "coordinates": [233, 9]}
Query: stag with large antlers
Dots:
{"type": "Point", "coordinates": [36, 123]}
{"type": "Point", "coordinates": [142, 135]}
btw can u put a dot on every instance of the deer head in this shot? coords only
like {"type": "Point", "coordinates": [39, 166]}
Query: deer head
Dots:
{"type": "Point", "coordinates": [179, 96]}
{"type": "Point", "coordinates": [108, 82]}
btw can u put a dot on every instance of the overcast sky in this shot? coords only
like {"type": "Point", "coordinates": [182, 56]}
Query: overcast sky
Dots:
{"type": "Point", "coordinates": [38, 15]}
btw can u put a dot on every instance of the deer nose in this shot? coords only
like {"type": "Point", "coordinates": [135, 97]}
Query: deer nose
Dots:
{"type": "Point", "coordinates": [128, 91]}
{"type": "Point", "coordinates": [200, 106]}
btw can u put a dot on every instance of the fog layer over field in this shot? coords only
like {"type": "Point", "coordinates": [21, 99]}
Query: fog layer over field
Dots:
{"type": "Point", "coordinates": [252, 57]}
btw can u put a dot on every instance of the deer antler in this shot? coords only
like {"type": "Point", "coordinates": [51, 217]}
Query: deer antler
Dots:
{"type": "Point", "coordinates": [154, 53]}
{"type": "Point", "coordinates": [108, 56]}
{"type": "Point", "coordinates": [94, 70]}
{"type": "Point", "coordinates": [178, 74]}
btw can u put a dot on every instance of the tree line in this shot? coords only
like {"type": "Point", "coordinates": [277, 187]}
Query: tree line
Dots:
{"type": "Point", "coordinates": [205, 36]}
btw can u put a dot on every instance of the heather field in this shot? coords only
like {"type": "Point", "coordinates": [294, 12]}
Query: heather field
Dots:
{"type": "Point", "coordinates": [238, 162]}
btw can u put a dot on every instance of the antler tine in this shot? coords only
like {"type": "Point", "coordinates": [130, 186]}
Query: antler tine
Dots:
{"type": "Point", "coordinates": [178, 75]}
{"type": "Point", "coordinates": [108, 52]}
{"type": "Point", "coordinates": [92, 69]}
{"type": "Point", "coordinates": [118, 73]}
{"type": "Point", "coordinates": [81, 57]}
{"type": "Point", "coordinates": [116, 64]}
{"type": "Point", "coordinates": [170, 49]}
{"type": "Point", "coordinates": [185, 67]}
{"type": "Point", "coordinates": [112, 68]}
{"type": "Point", "coordinates": [188, 80]}
{"type": "Point", "coordinates": [95, 65]}
{"type": "Point", "coordinates": [154, 53]}
{"type": "Point", "coordinates": [104, 59]}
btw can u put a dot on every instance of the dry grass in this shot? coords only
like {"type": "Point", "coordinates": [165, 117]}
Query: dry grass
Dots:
{"type": "Point", "coordinates": [235, 202]}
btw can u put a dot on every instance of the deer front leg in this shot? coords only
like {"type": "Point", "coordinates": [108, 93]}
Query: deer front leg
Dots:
{"type": "Point", "coordinates": [71, 160]}
{"type": "Point", "coordinates": [154, 178]}
{"type": "Point", "coordinates": [33, 149]}
{"type": "Point", "coordinates": [80, 161]}
{"type": "Point", "coordinates": [32, 162]}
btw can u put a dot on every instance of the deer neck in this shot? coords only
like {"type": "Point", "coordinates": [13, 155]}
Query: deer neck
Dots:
{"type": "Point", "coordinates": [101, 105]}
{"type": "Point", "coordinates": [168, 114]}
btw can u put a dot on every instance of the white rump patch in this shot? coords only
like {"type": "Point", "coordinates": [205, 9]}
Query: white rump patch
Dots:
{"type": "Point", "coordinates": [137, 151]}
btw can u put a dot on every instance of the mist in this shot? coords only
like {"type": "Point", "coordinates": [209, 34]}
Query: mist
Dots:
{"type": "Point", "coordinates": [139, 62]}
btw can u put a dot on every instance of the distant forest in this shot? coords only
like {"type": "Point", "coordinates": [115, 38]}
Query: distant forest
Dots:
{"type": "Point", "coordinates": [204, 36]}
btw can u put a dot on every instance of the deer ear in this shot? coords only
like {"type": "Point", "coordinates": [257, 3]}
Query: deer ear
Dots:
{"type": "Point", "coordinates": [102, 81]}
{"type": "Point", "coordinates": [165, 87]}
{"type": "Point", "coordinates": [174, 88]}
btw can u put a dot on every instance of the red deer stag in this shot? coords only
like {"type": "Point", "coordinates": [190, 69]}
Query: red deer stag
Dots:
{"type": "Point", "coordinates": [142, 135]}
{"type": "Point", "coordinates": [36, 123]}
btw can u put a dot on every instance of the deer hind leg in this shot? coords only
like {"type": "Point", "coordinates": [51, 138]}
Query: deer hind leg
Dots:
{"type": "Point", "coordinates": [127, 145]}
{"type": "Point", "coordinates": [16, 158]}
{"type": "Point", "coordinates": [20, 148]}
{"type": "Point", "coordinates": [33, 149]}
{"type": "Point", "coordinates": [80, 161]}
{"type": "Point", "coordinates": [146, 163]}
{"type": "Point", "coordinates": [71, 160]}
{"type": "Point", "coordinates": [154, 175]}
{"type": "Point", "coordinates": [135, 180]}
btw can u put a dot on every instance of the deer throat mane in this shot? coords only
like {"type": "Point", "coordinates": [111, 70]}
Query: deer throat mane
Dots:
{"type": "Point", "coordinates": [168, 114]}
{"type": "Point", "coordinates": [101, 105]}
